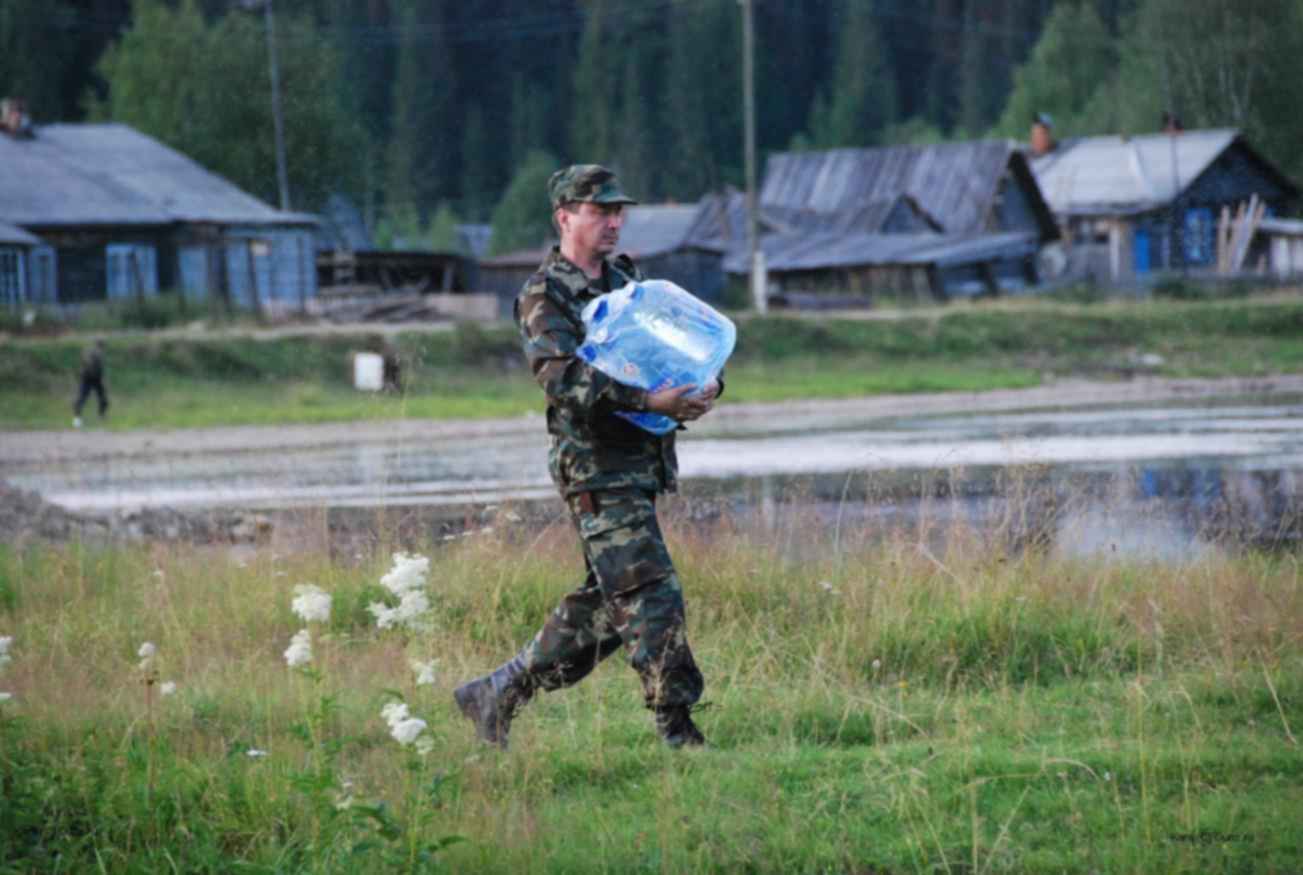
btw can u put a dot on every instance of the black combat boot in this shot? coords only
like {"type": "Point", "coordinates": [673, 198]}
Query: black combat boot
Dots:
{"type": "Point", "coordinates": [490, 702]}
{"type": "Point", "coordinates": [676, 727]}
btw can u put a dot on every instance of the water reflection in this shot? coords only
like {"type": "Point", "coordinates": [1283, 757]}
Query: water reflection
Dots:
{"type": "Point", "coordinates": [1166, 510]}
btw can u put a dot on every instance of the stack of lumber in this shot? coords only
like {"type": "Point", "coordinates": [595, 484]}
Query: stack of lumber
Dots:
{"type": "Point", "coordinates": [1235, 234]}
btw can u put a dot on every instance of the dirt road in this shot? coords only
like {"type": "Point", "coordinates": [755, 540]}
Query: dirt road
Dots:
{"type": "Point", "coordinates": [26, 447]}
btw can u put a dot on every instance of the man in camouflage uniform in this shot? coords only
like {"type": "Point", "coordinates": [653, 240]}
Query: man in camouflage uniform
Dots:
{"type": "Point", "coordinates": [609, 472]}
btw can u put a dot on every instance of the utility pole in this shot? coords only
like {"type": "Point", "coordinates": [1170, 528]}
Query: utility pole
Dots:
{"type": "Point", "coordinates": [278, 118]}
{"type": "Point", "coordinates": [755, 258]}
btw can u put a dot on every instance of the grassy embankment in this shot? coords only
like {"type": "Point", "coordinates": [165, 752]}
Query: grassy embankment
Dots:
{"type": "Point", "coordinates": [477, 372]}
{"type": "Point", "coordinates": [889, 710]}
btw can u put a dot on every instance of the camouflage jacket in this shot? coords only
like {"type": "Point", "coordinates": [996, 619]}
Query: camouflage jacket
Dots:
{"type": "Point", "coordinates": [592, 448]}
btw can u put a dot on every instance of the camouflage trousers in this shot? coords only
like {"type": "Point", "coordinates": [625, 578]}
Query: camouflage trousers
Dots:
{"type": "Point", "coordinates": [630, 597]}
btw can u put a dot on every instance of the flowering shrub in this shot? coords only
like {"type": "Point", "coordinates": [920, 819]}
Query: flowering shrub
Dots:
{"type": "Point", "coordinates": [406, 580]}
{"type": "Point", "coordinates": [311, 603]}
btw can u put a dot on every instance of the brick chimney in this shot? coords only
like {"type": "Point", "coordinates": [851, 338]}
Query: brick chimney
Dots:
{"type": "Point", "coordinates": [14, 119]}
{"type": "Point", "coordinates": [1042, 135]}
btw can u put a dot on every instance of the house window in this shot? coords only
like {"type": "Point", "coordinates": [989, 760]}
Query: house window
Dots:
{"type": "Point", "coordinates": [41, 285]}
{"type": "Point", "coordinates": [132, 270]}
{"type": "Point", "coordinates": [11, 277]}
{"type": "Point", "coordinates": [1198, 235]}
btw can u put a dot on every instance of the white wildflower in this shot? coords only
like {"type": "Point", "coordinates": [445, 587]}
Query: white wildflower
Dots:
{"type": "Point", "coordinates": [311, 603]}
{"type": "Point", "coordinates": [394, 712]}
{"type": "Point", "coordinates": [405, 728]}
{"type": "Point", "coordinates": [828, 588]}
{"type": "Point", "coordinates": [409, 573]}
{"type": "Point", "coordinates": [254, 754]}
{"type": "Point", "coordinates": [300, 650]}
{"type": "Point", "coordinates": [412, 606]}
{"type": "Point", "coordinates": [5, 642]}
{"type": "Point", "coordinates": [408, 730]}
{"type": "Point", "coordinates": [5, 697]}
{"type": "Point", "coordinates": [424, 672]}
{"type": "Point", "coordinates": [424, 745]}
{"type": "Point", "coordinates": [146, 653]}
{"type": "Point", "coordinates": [877, 665]}
{"type": "Point", "coordinates": [407, 581]}
{"type": "Point", "coordinates": [167, 688]}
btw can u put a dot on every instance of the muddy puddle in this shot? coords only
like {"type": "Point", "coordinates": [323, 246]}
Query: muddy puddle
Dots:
{"type": "Point", "coordinates": [1172, 480]}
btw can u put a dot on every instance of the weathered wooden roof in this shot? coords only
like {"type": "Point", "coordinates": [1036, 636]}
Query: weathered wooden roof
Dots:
{"type": "Point", "coordinates": [955, 183]}
{"type": "Point", "coordinates": [17, 236]}
{"type": "Point", "coordinates": [1117, 175]}
{"type": "Point", "coordinates": [111, 174]}
{"type": "Point", "coordinates": [834, 250]}
{"type": "Point", "coordinates": [656, 229]}
{"type": "Point", "coordinates": [870, 217]}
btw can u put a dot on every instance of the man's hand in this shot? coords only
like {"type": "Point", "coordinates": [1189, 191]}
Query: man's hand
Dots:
{"type": "Point", "coordinates": [677, 403]}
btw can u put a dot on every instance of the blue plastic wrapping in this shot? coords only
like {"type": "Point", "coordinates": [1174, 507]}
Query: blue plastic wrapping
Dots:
{"type": "Point", "coordinates": [656, 335]}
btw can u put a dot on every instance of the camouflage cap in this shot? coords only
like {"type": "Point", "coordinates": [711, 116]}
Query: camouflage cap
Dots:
{"type": "Point", "coordinates": [590, 183]}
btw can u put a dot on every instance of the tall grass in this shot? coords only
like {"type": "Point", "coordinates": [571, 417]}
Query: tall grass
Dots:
{"type": "Point", "coordinates": [919, 701]}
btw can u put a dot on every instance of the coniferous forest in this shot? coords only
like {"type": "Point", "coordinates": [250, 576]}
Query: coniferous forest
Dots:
{"type": "Point", "coordinates": [426, 112]}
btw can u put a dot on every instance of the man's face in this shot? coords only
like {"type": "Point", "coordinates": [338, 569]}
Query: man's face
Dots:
{"type": "Point", "coordinates": [592, 229]}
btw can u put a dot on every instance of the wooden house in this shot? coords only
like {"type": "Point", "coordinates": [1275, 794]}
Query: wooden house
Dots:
{"type": "Point", "coordinates": [119, 214]}
{"type": "Point", "coordinates": [936, 221]}
{"type": "Point", "coordinates": [1133, 207]}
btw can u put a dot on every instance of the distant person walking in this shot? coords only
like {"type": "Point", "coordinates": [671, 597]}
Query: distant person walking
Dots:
{"type": "Point", "coordinates": [92, 380]}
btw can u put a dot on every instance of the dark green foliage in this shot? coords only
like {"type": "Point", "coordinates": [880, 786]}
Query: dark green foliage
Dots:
{"type": "Point", "coordinates": [523, 219]}
{"type": "Point", "coordinates": [203, 88]}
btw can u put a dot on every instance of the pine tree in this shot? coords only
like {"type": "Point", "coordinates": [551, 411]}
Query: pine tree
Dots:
{"type": "Point", "coordinates": [862, 102]}
{"type": "Point", "coordinates": [689, 169]}
{"type": "Point", "coordinates": [35, 55]}
{"type": "Point", "coordinates": [596, 94]}
{"type": "Point", "coordinates": [420, 162]}
{"type": "Point", "coordinates": [523, 218]}
{"type": "Point", "coordinates": [478, 165]}
{"type": "Point", "coordinates": [1074, 55]}
{"type": "Point", "coordinates": [974, 75]}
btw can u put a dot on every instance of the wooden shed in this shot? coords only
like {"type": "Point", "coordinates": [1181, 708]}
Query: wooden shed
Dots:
{"type": "Point", "coordinates": [929, 222]}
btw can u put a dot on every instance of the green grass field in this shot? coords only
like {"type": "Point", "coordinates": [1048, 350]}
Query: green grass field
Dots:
{"type": "Point", "coordinates": [477, 372]}
{"type": "Point", "coordinates": [891, 708]}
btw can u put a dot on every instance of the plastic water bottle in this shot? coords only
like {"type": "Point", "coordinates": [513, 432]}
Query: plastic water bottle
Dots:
{"type": "Point", "coordinates": [656, 335]}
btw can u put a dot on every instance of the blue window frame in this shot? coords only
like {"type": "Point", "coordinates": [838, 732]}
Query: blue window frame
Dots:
{"type": "Point", "coordinates": [1197, 239]}
{"type": "Point", "coordinates": [132, 270]}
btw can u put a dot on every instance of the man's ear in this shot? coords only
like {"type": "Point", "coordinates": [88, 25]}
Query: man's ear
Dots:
{"type": "Point", "coordinates": [560, 218]}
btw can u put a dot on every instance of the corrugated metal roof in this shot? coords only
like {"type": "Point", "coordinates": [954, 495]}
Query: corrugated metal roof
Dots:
{"type": "Point", "coordinates": [111, 174]}
{"type": "Point", "coordinates": [1117, 175]}
{"type": "Point", "coordinates": [955, 183]}
{"type": "Point", "coordinates": [833, 250]}
{"type": "Point", "coordinates": [13, 234]}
